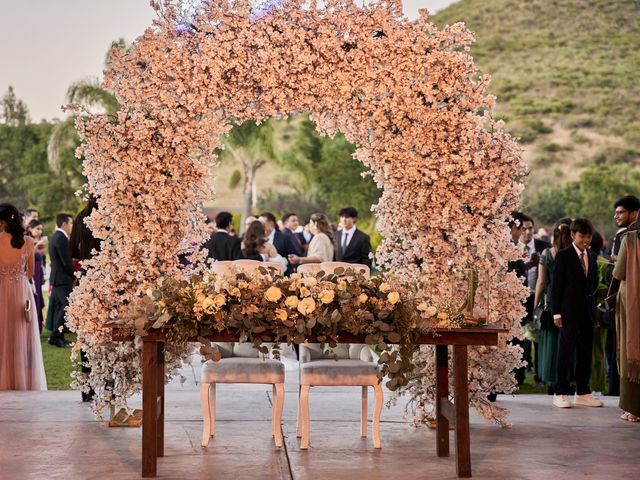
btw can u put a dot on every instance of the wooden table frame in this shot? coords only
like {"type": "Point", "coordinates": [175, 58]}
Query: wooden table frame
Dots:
{"type": "Point", "coordinates": [456, 413]}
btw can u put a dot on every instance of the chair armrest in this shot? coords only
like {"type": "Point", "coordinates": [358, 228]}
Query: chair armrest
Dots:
{"type": "Point", "coordinates": [365, 354]}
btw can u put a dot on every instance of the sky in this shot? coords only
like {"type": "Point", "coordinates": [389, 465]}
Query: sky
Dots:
{"type": "Point", "coordinates": [46, 45]}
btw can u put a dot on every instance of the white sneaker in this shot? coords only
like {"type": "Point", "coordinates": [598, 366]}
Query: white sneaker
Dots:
{"type": "Point", "coordinates": [588, 401]}
{"type": "Point", "coordinates": [562, 401]}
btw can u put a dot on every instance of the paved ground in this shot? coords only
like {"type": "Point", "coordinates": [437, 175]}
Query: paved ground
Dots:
{"type": "Point", "coordinates": [52, 435]}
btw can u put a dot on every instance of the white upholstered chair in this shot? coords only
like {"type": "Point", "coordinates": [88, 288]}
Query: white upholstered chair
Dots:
{"type": "Point", "coordinates": [240, 363]}
{"type": "Point", "coordinates": [345, 365]}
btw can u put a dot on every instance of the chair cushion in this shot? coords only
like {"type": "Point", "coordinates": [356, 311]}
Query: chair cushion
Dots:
{"type": "Point", "coordinates": [338, 372]}
{"type": "Point", "coordinates": [242, 370]}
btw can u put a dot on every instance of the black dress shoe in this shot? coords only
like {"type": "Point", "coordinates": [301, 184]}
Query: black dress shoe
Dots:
{"type": "Point", "coordinates": [57, 342]}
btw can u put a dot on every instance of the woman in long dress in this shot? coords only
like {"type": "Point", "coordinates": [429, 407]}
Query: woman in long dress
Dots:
{"type": "Point", "coordinates": [549, 337]}
{"type": "Point", "coordinates": [21, 366]}
{"type": "Point", "coordinates": [321, 248]}
{"type": "Point", "coordinates": [34, 230]}
{"type": "Point", "coordinates": [627, 270]}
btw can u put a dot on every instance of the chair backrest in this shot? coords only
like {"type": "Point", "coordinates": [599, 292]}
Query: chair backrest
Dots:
{"type": "Point", "coordinates": [246, 266]}
{"type": "Point", "coordinates": [330, 267]}
{"type": "Point", "coordinates": [344, 351]}
{"type": "Point", "coordinates": [244, 350]}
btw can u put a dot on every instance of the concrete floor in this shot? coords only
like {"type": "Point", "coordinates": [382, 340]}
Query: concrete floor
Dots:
{"type": "Point", "coordinates": [52, 435]}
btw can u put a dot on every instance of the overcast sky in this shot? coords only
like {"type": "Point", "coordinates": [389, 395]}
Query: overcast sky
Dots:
{"type": "Point", "coordinates": [45, 45]}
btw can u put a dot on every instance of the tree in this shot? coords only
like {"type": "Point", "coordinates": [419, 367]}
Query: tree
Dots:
{"type": "Point", "coordinates": [14, 111]}
{"type": "Point", "coordinates": [64, 138]}
{"type": "Point", "coordinates": [252, 146]}
{"type": "Point", "coordinates": [327, 170]}
{"type": "Point", "coordinates": [592, 196]}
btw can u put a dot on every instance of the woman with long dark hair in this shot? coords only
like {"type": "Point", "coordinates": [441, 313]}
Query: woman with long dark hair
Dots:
{"type": "Point", "coordinates": [34, 230]}
{"type": "Point", "coordinates": [255, 245]}
{"type": "Point", "coordinates": [21, 366]}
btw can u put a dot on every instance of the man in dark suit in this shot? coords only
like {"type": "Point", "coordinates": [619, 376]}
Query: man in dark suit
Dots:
{"type": "Point", "coordinates": [532, 248]}
{"type": "Point", "coordinates": [352, 245]}
{"type": "Point", "coordinates": [284, 244]}
{"type": "Point", "coordinates": [62, 276]}
{"type": "Point", "coordinates": [575, 279]}
{"type": "Point", "coordinates": [222, 245]}
{"type": "Point", "coordinates": [290, 222]}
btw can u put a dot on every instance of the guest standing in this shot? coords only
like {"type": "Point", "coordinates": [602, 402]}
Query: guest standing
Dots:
{"type": "Point", "coordinates": [573, 306]}
{"type": "Point", "coordinates": [532, 249]}
{"type": "Point", "coordinates": [82, 245]}
{"type": "Point", "coordinates": [62, 276]}
{"type": "Point", "coordinates": [291, 224]}
{"type": "Point", "coordinates": [34, 230]}
{"type": "Point", "coordinates": [285, 245]}
{"type": "Point", "coordinates": [21, 366]}
{"type": "Point", "coordinates": [549, 333]}
{"type": "Point", "coordinates": [352, 245]}
{"type": "Point", "coordinates": [627, 270]}
{"type": "Point", "coordinates": [223, 246]}
{"type": "Point", "coordinates": [321, 248]}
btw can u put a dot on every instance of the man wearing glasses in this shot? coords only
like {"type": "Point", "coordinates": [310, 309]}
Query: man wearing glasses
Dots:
{"type": "Point", "coordinates": [626, 218]}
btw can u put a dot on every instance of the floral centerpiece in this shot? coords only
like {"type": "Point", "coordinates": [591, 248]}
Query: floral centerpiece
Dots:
{"type": "Point", "coordinates": [267, 307]}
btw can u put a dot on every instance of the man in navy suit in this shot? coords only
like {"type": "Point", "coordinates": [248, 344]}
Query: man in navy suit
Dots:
{"type": "Point", "coordinates": [575, 279]}
{"type": "Point", "coordinates": [290, 222]}
{"type": "Point", "coordinates": [222, 245]}
{"type": "Point", "coordinates": [62, 276]}
{"type": "Point", "coordinates": [284, 244]}
{"type": "Point", "coordinates": [352, 245]}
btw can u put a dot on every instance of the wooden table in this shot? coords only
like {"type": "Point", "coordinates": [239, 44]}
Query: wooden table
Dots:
{"type": "Point", "coordinates": [456, 412]}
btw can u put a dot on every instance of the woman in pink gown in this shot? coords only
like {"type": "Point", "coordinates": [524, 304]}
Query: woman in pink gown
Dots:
{"type": "Point", "coordinates": [21, 366]}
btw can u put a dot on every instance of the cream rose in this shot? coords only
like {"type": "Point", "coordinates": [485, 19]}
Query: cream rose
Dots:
{"type": "Point", "coordinates": [393, 298]}
{"type": "Point", "coordinates": [384, 287]}
{"type": "Point", "coordinates": [292, 301]}
{"type": "Point", "coordinates": [281, 314]}
{"type": "Point", "coordinates": [431, 311]}
{"type": "Point", "coordinates": [443, 316]}
{"type": "Point", "coordinates": [304, 291]}
{"type": "Point", "coordinates": [306, 306]}
{"type": "Point", "coordinates": [219, 300]}
{"type": "Point", "coordinates": [362, 298]}
{"type": "Point", "coordinates": [326, 296]}
{"type": "Point", "coordinates": [309, 281]}
{"type": "Point", "coordinates": [273, 294]}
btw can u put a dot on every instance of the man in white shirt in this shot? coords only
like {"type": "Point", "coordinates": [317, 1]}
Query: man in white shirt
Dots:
{"type": "Point", "coordinates": [352, 245]}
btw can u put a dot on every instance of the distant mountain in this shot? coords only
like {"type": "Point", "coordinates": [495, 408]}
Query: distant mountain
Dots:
{"type": "Point", "coordinates": [566, 74]}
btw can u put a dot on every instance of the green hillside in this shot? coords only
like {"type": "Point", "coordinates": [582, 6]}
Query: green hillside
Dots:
{"type": "Point", "coordinates": [566, 74]}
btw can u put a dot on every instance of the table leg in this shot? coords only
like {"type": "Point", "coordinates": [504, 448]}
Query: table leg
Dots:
{"type": "Point", "coordinates": [442, 395]}
{"type": "Point", "coordinates": [149, 408]}
{"type": "Point", "coordinates": [160, 380]}
{"type": "Point", "coordinates": [461, 401]}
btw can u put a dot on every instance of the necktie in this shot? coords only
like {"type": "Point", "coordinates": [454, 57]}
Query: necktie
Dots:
{"type": "Point", "coordinates": [345, 237]}
{"type": "Point", "coordinates": [583, 263]}
{"type": "Point", "coordinates": [527, 250]}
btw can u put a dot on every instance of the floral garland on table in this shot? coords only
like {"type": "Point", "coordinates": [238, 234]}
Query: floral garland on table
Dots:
{"type": "Point", "coordinates": [407, 94]}
{"type": "Point", "coordinates": [266, 307]}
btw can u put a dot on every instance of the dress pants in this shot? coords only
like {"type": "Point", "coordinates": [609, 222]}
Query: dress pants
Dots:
{"type": "Point", "coordinates": [576, 338]}
{"type": "Point", "coordinates": [60, 298]}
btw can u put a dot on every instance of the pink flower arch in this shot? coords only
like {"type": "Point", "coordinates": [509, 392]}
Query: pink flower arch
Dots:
{"type": "Point", "coordinates": [407, 94]}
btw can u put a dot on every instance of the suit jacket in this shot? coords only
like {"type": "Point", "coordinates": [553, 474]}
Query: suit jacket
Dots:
{"type": "Point", "coordinates": [295, 237]}
{"type": "Point", "coordinates": [540, 245]}
{"type": "Point", "coordinates": [357, 251]}
{"type": "Point", "coordinates": [285, 245]}
{"type": "Point", "coordinates": [223, 246]}
{"type": "Point", "coordinates": [573, 294]}
{"type": "Point", "coordinates": [62, 271]}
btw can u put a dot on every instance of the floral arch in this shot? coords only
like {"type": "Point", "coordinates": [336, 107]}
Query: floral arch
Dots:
{"type": "Point", "coordinates": [407, 94]}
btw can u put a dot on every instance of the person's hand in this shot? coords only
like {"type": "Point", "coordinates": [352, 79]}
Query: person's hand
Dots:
{"type": "Point", "coordinates": [294, 259]}
{"type": "Point", "coordinates": [613, 258]}
{"type": "Point", "coordinates": [557, 321]}
{"type": "Point", "coordinates": [42, 242]}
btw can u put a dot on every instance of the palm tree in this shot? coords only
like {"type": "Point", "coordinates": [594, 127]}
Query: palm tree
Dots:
{"type": "Point", "coordinates": [252, 146]}
{"type": "Point", "coordinates": [64, 138]}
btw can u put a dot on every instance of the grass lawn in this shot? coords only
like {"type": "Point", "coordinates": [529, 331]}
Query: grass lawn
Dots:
{"type": "Point", "coordinates": [57, 363]}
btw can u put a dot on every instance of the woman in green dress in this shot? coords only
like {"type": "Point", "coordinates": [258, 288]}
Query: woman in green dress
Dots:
{"type": "Point", "coordinates": [627, 270]}
{"type": "Point", "coordinates": [549, 337]}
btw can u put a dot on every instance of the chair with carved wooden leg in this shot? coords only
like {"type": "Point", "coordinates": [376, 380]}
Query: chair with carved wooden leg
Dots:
{"type": "Point", "coordinates": [241, 363]}
{"type": "Point", "coordinates": [345, 365]}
